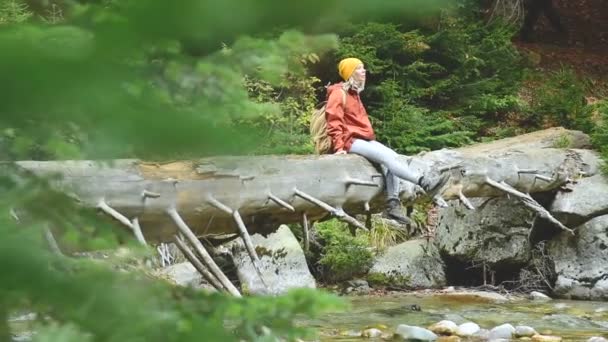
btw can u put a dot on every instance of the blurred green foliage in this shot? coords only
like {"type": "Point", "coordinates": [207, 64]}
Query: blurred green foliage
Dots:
{"type": "Point", "coordinates": [163, 80]}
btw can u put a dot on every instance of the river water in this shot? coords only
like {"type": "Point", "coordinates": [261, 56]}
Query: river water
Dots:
{"type": "Point", "coordinates": [572, 320]}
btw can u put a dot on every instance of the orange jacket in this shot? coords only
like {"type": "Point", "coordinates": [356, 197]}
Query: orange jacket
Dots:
{"type": "Point", "coordinates": [345, 123]}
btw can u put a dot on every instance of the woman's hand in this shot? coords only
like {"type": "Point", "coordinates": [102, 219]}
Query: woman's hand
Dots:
{"type": "Point", "coordinates": [340, 152]}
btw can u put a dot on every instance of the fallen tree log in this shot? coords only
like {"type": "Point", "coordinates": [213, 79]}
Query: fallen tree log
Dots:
{"type": "Point", "coordinates": [228, 194]}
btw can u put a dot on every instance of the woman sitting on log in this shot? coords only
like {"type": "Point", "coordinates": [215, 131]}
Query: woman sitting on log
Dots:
{"type": "Point", "coordinates": [350, 131]}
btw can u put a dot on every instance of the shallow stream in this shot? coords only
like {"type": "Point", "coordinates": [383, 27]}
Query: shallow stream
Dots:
{"type": "Point", "coordinates": [572, 320]}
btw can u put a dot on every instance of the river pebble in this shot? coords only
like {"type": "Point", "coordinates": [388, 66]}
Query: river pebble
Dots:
{"type": "Point", "coordinates": [350, 333]}
{"type": "Point", "coordinates": [535, 295]}
{"type": "Point", "coordinates": [524, 331]}
{"type": "Point", "coordinates": [597, 339]}
{"type": "Point", "coordinates": [502, 331]}
{"type": "Point", "coordinates": [371, 333]}
{"type": "Point", "coordinates": [482, 334]}
{"type": "Point", "coordinates": [449, 339]}
{"type": "Point", "coordinates": [444, 327]}
{"type": "Point", "coordinates": [467, 329]}
{"type": "Point", "coordinates": [561, 306]}
{"type": "Point", "coordinates": [546, 338]}
{"type": "Point", "coordinates": [407, 332]}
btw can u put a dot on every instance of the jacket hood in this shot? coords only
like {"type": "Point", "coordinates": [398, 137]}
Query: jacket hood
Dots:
{"type": "Point", "coordinates": [334, 87]}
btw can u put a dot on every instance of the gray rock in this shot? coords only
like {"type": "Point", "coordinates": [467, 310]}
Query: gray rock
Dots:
{"type": "Point", "coordinates": [407, 332]}
{"type": "Point", "coordinates": [282, 263]}
{"type": "Point", "coordinates": [600, 289]}
{"type": "Point", "coordinates": [358, 283]}
{"type": "Point", "coordinates": [535, 295]}
{"type": "Point", "coordinates": [358, 286]}
{"type": "Point", "coordinates": [504, 331]}
{"type": "Point", "coordinates": [588, 198]}
{"type": "Point", "coordinates": [524, 331]}
{"type": "Point", "coordinates": [477, 296]}
{"type": "Point", "coordinates": [467, 329]}
{"type": "Point", "coordinates": [182, 274]}
{"type": "Point", "coordinates": [496, 232]}
{"type": "Point", "coordinates": [414, 263]}
{"type": "Point", "coordinates": [580, 261]}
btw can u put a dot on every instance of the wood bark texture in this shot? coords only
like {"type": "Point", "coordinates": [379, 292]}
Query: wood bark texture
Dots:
{"type": "Point", "coordinates": [219, 195]}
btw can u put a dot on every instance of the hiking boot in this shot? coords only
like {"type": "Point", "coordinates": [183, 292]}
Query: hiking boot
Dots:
{"type": "Point", "coordinates": [393, 211]}
{"type": "Point", "coordinates": [433, 182]}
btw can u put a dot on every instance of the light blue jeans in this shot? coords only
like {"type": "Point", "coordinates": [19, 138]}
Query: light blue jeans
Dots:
{"type": "Point", "coordinates": [387, 158]}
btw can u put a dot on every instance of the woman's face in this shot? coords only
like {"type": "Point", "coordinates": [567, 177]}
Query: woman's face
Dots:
{"type": "Point", "coordinates": [359, 73]}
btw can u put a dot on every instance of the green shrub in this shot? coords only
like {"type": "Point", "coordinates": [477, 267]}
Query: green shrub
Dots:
{"type": "Point", "coordinates": [14, 11]}
{"type": "Point", "coordinates": [560, 101]}
{"type": "Point", "coordinates": [344, 256]}
{"type": "Point", "coordinates": [285, 124]}
{"type": "Point", "coordinates": [383, 235]}
{"type": "Point", "coordinates": [563, 141]}
{"type": "Point", "coordinates": [380, 279]}
{"type": "Point", "coordinates": [600, 133]}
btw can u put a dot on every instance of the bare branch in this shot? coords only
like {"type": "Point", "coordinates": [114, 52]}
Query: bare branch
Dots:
{"type": "Point", "coordinates": [465, 201]}
{"type": "Point", "coordinates": [209, 277]}
{"type": "Point", "coordinates": [249, 245]}
{"type": "Point", "coordinates": [337, 212]}
{"type": "Point", "coordinates": [138, 233]}
{"type": "Point", "coordinates": [280, 202]}
{"type": "Point", "coordinates": [354, 181]}
{"type": "Point", "coordinates": [146, 193]}
{"type": "Point", "coordinates": [202, 252]}
{"type": "Point", "coordinates": [306, 237]}
{"type": "Point", "coordinates": [527, 200]}
{"type": "Point", "coordinates": [50, 239]}
{"type": "Point", "coordinates": [115, 214]}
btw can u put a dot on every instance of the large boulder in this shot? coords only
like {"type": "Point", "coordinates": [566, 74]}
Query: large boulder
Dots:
{"type": "Point", "coordinates": [588, 199]}
{"type": "Point", "coordinates": [581, 261]}
{"type": "Point", "coordinates": [546, 138]}
{"type": "Point", "coordinates": [414, 264]}
{"type": "Point", "coordinates": [495, 232]}
{"type": "Point", "coordinates": [282, 261]}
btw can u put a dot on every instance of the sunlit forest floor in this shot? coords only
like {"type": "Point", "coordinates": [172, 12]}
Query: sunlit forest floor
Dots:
{"type": "Point", "coordinates": [589, 63]}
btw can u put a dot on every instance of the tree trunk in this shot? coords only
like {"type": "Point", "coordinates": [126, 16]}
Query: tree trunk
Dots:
{"type": "Point", "coordinates": [271, 190]}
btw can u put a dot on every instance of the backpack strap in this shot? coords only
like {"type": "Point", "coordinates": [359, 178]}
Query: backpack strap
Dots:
{"type": "Point", "coordinates": [343, 97]}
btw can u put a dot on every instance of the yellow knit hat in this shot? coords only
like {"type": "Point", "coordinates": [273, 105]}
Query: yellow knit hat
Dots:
{"type": "Point", "coordinates": [347, 66]}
